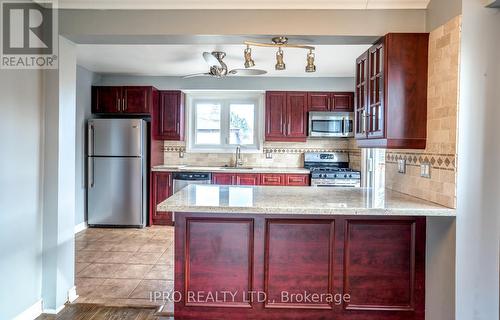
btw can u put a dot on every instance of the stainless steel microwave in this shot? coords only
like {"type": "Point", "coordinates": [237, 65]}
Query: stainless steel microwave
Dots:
{"type": "Point", "coordinates": [331, 124]}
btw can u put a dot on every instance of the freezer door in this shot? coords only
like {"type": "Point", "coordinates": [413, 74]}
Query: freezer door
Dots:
{"type": "Point", "coordinates": [116, 137]}
{"type": "Point", "coordinates": [115, 191]}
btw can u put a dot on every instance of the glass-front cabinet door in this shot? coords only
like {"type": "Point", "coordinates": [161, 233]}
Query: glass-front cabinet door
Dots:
{"type": "Point", "coordinates": [375, 117]}
{"type": "Point", "coordinates": [360, 99]}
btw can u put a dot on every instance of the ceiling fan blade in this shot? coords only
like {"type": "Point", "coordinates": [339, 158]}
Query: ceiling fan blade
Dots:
{"type": "Point", "coordinates": [248, 72]}
{"type": "Point", "coordinates": [197, 75]}
{"type": "Point", "coordinates": [211, 60]}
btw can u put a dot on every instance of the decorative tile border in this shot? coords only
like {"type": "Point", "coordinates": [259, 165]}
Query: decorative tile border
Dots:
{"type": "Point", "coordinates": [437, 161]}
{"type": "Point", "coordinates": [173, 149]}
{"type": "Point", "coordinates": [300, 150]}
{"type": "Point", "coordinates": [278, 150]}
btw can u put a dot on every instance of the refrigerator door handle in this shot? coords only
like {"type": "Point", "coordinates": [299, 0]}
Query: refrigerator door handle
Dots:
{"type": "Point", "coordinates": [91, 172]}
{"type": "Point", "coordinates": [91, 140]}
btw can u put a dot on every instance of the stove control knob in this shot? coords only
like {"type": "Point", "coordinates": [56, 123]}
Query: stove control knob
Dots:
{"type": "Point", "coordinates": [350, 176]}
{"type": "Point", "coordinates": [345, 175]}
{"type": "Point", "coordinates": [334, 176]}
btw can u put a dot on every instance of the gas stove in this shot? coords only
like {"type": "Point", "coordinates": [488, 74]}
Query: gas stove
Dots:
{"type": "Point", "coordinates": [331, 170]}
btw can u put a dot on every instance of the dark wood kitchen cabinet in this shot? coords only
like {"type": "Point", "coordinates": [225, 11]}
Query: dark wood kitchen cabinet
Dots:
{"type": "Point", "coordinates": [161, 189]}
{"type": "Point", "coordinates": [298, 180]}
{"type": "Point", "coordinates": [391, 93]}
{"type": "Point", "coordinates": [247, 179]}
{"type": "Point", "coordinates": [168, 116]}
{"type": "Point", "coordinates": [123, 100]}
{"type": "Point", "coordinates": [286, 116]}
{"type": "Point", "coordinates": [330, 101]}
{"type": "Point", "coordinates": [241, 179]}
{"type": "Point", "coordinates": [377, 264]}
{"type": "Point", "coordinates": [223, 178]}
{"type": "Point", "coordinates": [273, 179]}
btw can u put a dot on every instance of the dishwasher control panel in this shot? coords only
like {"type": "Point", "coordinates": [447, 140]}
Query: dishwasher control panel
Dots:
{"type": "Point", "coordinates": [192, 176]}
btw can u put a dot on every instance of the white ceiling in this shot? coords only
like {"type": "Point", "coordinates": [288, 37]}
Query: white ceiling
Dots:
{"type": "Point", "coordinates": [244, 4]}
{"type": "Point", "coordinates": [181, 60]}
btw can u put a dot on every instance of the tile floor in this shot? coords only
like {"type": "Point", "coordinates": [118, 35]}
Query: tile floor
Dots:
{"type": "Point", "coordinates": [123, 267]}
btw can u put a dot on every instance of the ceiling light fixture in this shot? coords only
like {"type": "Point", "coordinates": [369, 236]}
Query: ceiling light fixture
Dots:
{"type": "Point", "coordinates": [310, 67]}
{"type": "Point", "coordinates": [280, 42]}
{"type": "Point", "coordinates": [280, 64]}
{"type": "Point", "coordinates": [248, 58]}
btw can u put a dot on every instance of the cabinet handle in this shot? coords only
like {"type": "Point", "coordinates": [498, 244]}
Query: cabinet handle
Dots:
{"type": "Point", "coordinates": [272, 179]}
{"type": "Point", "coordinates": [118, 104]}
{"type": "Point", "coordinates": [178, 128]}
{"type": "Point", "coordinates": [124, 106]}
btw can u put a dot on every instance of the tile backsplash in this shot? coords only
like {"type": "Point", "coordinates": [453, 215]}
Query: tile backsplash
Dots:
{"type": "Point", "coordinates": [442, 112]}
{"type": "Point", "coordinates": [283, 154]}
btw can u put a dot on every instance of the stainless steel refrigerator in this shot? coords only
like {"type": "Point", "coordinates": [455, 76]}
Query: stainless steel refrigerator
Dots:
{"type": "Point", "coordinates": [117, 180]}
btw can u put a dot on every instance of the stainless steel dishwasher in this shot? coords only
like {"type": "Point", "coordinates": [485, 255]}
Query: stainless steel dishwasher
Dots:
{"type": "Point", "coordinates": [183, 179]}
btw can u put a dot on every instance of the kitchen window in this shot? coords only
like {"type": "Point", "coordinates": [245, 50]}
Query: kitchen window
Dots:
{"type": "Point", "coordinates": [218, 122]}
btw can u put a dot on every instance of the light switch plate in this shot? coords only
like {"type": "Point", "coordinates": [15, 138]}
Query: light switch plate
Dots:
{"type": "Point", "coordinates": [402, 166]}
{"type": "Point", "coordinates": [425, 170]}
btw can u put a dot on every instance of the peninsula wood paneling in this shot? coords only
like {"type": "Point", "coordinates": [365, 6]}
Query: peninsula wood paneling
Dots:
{"type": "Point", "coordinates": [219, 257]}
{"type": "Point", "coordinates": [298, 252]}
{"type": "Point", "coordinates": [380, 279]}
{"type": "Point", "coordinates": [379, 261]}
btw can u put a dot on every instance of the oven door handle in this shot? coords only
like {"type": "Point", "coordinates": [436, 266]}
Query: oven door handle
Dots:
{"type": "Point", "coordinates": [343, 126]}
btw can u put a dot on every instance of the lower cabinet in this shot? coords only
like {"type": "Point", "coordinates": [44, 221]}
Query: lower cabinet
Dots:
{"type": "Point", "coordinates": [240, 179]}
{"type": "Point", "coordinates": [264, 179]}
{"type": "Point", "coordinates": [161, 189]}
{"type": "Point", "coordinates": [297, 180]}
{"type": "Point", "coordinates": [305, 266]}
{"type": "Point", "coordinates": [281, 179]}
{"type": "Point", "coordinates": [270, 179]}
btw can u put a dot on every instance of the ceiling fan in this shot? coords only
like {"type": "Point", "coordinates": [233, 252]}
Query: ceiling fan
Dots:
{"type": "Point", "coordinates": [218, 69]}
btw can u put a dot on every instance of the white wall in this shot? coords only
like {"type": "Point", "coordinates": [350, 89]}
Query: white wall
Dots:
{"type": "Point", "coordinates": [58, 263]}
{"type": "Point", "coordinates": [120, 26]}
{"type": "Point", "coordinates": [441, 11]}
{"type": "Point", "coordinates": [478, 204]}
{"type": "Point", "coordinates": [234, 83]}
{"type": "Point", "coordinates": [84, 80]}
{"type": "Point", "coordinates": [20, 186]}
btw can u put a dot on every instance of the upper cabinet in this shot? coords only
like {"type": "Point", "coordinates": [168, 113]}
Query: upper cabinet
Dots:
{"type": "Point", "coordinates": [330, 101]}
{"type": "Point", "coordinates": [168, 116]}
{"type": "Point", "coordinates": [123, 100]}
{"type": "Point", "coordinates": [391, 93]}
{"type": "Point", "coordinates": [286, 116]}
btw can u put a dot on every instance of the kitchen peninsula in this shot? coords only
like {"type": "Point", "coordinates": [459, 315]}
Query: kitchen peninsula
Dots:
{"type": "Point", "coordinates": [263, 245]}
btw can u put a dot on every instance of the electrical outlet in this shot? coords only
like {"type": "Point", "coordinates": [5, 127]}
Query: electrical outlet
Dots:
{"type": "Point", "coordinates": [425, 170]}
{"type": "Point", "coordinates": [269, 155]}
{"type": "Point", "coordinates": [402, 166]}
{"type": "Point", "coordinates": [181, 153]}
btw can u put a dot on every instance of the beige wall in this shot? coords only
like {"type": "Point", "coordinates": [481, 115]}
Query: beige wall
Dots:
{"type": "Point", "coordinates": [284, 154]}
{"type": "Point", "coordinates": [442, 109]}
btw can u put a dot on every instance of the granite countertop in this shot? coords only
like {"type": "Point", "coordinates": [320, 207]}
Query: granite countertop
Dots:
{"type": "Point", "coordinates": [184, 168]}
{"type": "Point", "coordinates": [299, 200]}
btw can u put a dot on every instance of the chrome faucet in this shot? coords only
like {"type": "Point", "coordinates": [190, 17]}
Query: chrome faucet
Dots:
{"type": "Point", "coordinates": [238, 161]}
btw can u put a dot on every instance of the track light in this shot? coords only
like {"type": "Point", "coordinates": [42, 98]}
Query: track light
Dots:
{"type": "Point", "coordinates": [280, 64]}
{"type": "Point", "coordinates": [310, 67]}
{"type": "Point", "coordinates": [248, 58]}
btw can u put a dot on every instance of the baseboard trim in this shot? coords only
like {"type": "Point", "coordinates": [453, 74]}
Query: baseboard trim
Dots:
{"type": "Point", "coordinates": [80, 227]}
{"type": "Point", "coordinates": [72, 296]}
{"type": "Point", "coordinates": [32, 312]}
{"type": "Point", "coordinates": [53, 311]}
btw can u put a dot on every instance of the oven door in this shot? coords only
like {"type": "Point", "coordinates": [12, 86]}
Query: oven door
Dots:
{"type": "Point", "coordinates": [330, 124]}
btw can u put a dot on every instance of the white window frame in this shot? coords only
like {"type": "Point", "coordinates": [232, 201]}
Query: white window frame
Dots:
{"type": "Point", "coordinates": [225, 98]}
